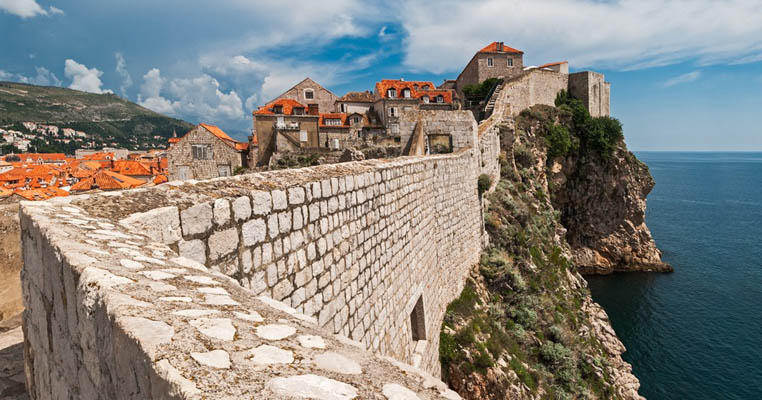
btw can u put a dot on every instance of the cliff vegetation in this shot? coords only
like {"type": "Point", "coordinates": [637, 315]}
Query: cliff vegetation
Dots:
{"type": "Point", "coordinates": [571, 199]}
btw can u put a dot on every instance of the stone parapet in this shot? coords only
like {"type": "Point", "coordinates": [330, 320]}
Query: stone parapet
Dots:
{"type": "Point", "coordinates": [112, 314]}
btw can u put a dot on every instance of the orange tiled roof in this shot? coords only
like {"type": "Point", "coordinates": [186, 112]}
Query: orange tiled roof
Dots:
{"type": "Point", "coordinates": [5, 192]}
{"type": "Point", "coordinates": [131, 168]}
{"type": "Point", "coordinates": [160, 179]}
{"type": "Point", "coordinates": [217, 132]}
{"type": "Point", "coordinates": [42, 156]}
{"type": "Point", "coordinates": [99, 156]}
{"type": "Point", "coordinates": [107, 180]}
{"type": "Point", "coordinates": [492, 48]}
{"type": "Point", "coordinates": [341, 116]}
{"type": "Point", "coordinates": [417, 89]}
{"type": "Point", "coordinates": [287, 104]}
{"type": "Point", "coordinates": [552, 64]}
{"type": "Point", "coordinates": [174, 140]}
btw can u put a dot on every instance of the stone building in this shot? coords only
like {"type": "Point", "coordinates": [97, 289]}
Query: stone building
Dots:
{"type": "Point", "coordinates": [285, 125]}
{"type": "Point", "coordinates": [592, 88]}
{"type": "Point", "coordinates": [394, 97]}
{"type": "Point", "coordinates": [493, 61]}
{"type": "Point", "coordinates": [205, 152]}
{"type": "Point", "coordinates": [311, 94]}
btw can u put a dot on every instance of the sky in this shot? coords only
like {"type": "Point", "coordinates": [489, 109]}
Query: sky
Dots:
{"type": "Point", "coordinates": [685, 74]}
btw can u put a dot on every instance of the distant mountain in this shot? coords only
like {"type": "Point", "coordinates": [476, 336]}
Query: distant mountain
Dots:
{"type": "Point", "coordinates": [107, 119]}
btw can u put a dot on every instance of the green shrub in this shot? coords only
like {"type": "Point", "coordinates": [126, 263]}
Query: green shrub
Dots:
{"type": "Point", "coordinates": [603, 134]}
{"type": "Point", "coordinates": [555, 354]}
{"type": "Point", "coordinates": [558, 140]}
{"type": "Point", "coordinates": [484, 183]}
{"type": "Point", "coordinates": [479, 90]}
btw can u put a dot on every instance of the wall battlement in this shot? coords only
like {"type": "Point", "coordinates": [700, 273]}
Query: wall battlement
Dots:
{"type": "Point", "coordinates": [169, 291]}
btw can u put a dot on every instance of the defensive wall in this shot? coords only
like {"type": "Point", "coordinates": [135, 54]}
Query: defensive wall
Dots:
{"type": "Point", "coordinates": [538, 86]}
{"type": "Point", "coordinates": [294, 282]}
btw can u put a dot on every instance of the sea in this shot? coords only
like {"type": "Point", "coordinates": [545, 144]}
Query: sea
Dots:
{"type": "Point", "coordinates": [696, 333]}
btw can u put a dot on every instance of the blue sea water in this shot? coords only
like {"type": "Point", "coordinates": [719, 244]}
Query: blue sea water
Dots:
{"type": "Point", "coordinates": [696, 333]}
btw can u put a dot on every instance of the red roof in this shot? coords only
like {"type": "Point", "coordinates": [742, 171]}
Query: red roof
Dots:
{"type": "Point", "coordinates": [160, 179]}
{"type": "Point", "coordinates": [131, 168]}
{"type": "Point", "coordinates": [340, 116]}
{"type": "Point", "coordinates": [418, 89]}
{"type": "Point", "coordinates": [224, 137]}
{"type": "Point", "coordinates": [493, 48]}
{"type": "Point", "coordinates": [107, 180]}
{"type": "Point", "coordinates": [174, 140]}
{"type": "Point", "coordinates": [287, 104]}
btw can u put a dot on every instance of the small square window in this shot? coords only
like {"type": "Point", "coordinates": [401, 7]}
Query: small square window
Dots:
{"type": "Point", "coordinates": [395, 129]}
{"type": "Point", "coordinates": [309, 94]}
{"type": "Point", "coordinates": [302, 136]}
{"type": "Point", "coordinates": [510, 62]}
{"type": "Point", "coordinates": [489, 62]}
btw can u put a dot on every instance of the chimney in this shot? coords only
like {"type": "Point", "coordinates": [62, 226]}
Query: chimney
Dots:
{"type": "Point", "coordinates": [313, 109]}
{"type": "Point", "coordinates": [499, 46]}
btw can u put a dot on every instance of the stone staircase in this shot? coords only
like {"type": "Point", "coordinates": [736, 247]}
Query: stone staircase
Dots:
{"type": "Point", "coordinates": [493, 99]}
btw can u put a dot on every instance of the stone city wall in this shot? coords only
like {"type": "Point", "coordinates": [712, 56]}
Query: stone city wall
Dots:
{"type": "Point", "coordinates": [534, 87]}
{"type": "Point", "coordinates": [113, 314]}
{"type": "Point", "coordinates": [371, 250]}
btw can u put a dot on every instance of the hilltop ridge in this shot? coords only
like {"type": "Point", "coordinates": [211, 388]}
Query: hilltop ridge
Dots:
{"type": "Point", "coordinates": [107, 119]}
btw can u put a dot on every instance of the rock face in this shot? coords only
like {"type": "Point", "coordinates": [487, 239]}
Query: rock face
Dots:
{"type": "Point", "coordinates": [603, 204]}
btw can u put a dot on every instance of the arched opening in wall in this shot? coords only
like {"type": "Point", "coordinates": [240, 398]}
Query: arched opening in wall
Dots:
{"type": "Point", "coordinates": [418, 321]}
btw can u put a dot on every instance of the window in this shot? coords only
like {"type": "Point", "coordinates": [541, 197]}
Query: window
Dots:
{"type": "Point", "coordinates": [335, 144]}
{"type": "Point", "coordinates": [202, 151]}
{"type": "Point", "coordinates": [406, 93]}
{"type": "Point", "coordinates": [302, 136]}
{"type": "Point", "coordinates": [333, 121]}
{"type": "Point", "coordinates": [298, 110]}
{"type": "Point", "coordinates": [395, 129]}
{"type": "Point", "coordinates": [418, 321]}
{"type": "Point", "coordinates": [391, 93]}
{"type": "Point", "coordinates": [489, 61]}
{"type": "Point", "coordinates": [392, 111]}
{"type": "Point", "coordinates": [309, 94]}
{"type": "Point", "coordinates": [223, 170]}
{"type": "Point", "coordinates": [425, 87]}
{"type": "Point", "coordinates": [425, 99]}
{"type": "Point", "coordinates": [510, 62]}
{"type": "Point", "coordinates": [355, 120]}
{"type": "Point", "coordinates": [278, 109]}
{"type": "Point", "coordinates": [440, 99]}
{"type": "Point", "coordinates": [343, 107]}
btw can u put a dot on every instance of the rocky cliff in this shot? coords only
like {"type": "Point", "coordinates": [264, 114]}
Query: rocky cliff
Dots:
{"type": "Point", "coordinates": [570, 200]}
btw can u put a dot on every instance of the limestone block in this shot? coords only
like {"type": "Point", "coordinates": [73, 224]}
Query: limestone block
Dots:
{"type": "Point", "coordinates": [193, 250]}
{"type": "Point", "coordinates": [262, 203]}
{"type": "Point", "coordinates": [160, 224]}
{"type": "Point", "coordinates": [311, 387]}
{"type": "Point", "coordinates": [335, 362]}
{"type": "Point", "coordinates": [221, 212]}
{"type": "Point", "coordinates": [296, 196]}
{"type": "Point", "coordinates": [242, 208]}
{"type": "Point", "coordinates": [150, 334]}
{"type": "Point", "coordinates": [254, 232]}
{"type": "Point", "coordinates": [272, 225]}
{"type": "Point", "coordinates": [196, 219]}
{"type": "Point", "coordinates": [279, 200]}
{"type": "Point", "coordinates": [222, 243]}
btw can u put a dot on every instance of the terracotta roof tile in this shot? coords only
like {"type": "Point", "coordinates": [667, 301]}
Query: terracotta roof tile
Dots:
{"type": "Point", "coordinates": [492, 48]}
{"type": "Point", "coordinates": [287, 104]}
{"type": "Point", "coordinates": [552, 64]}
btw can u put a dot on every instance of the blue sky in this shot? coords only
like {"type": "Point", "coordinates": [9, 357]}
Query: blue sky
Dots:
{"type": "Point", "coordinates": [686, 75]}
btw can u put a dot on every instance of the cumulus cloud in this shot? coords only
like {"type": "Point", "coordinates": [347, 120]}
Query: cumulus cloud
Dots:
{"type": "Point", "coordinates": [121, 69]}
{"type": "Point", "coordinates": [620, 34]}
{"type": "Point", "coordinates": [43, 77]}
{"type": "Point", "coordinates": [198, 98]}
{"type": "Point", "coordinates": [684, 78]}
{"type": "Point", "coordinates": [83, 78]}
{"type": "Point", "coordinates": [27, 8]}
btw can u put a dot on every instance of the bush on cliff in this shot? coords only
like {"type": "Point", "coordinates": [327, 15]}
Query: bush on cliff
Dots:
{"type": "Point", "coordinates": [599, 135]}
{"type": "Point", "coordinates": [479, 90]}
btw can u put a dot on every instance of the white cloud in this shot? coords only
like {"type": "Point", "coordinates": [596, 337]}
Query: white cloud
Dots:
{"type": "Point", "coordinates": [198, 98]}
{"type": "Point", "coordinates": [22, 8]}
{"type": "Point", "coordinates": [684, 78]}
{"type": "Point", "coordinates": [43, 77]}
{"type": "Point", "coordinates": [27, 8]}
{"type": "Point", "coordinates": [621, 34]}
{"type": "Point", "coordinates": [121, 69]}
{"type": "Point", "coordinates": [83, 78]}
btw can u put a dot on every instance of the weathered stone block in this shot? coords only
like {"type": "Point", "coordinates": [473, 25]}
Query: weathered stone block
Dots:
{"type": "Point", "coordinates": [160, 224]}
{"type": "Point", "coordinates": [221, 212]}
{"type": "Point", "coordinates": [254, 232]}
{"type": "Point", "coordinates": [261, 203]}
{"type": "Point", "coordinates": [193, 250]}
{"type": "Point", "coordinates": [222, 243]}
{"type": "Point", "coordinates": [196, 219]}
{"type": "Point", "coordinates": [242, 208]}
